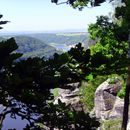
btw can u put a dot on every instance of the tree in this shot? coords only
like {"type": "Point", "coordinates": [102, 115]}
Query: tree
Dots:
{"type": "Point", "coordinates": [25, 89]}
{"type": "Point", "coordinates": [32, 79]}
{"type": "Point", "coordinates": [110, 45]}
{"type": "Point", "coordinates": [41, 79]}
{"type": "Point", "coordinates": [2, 22]}
{"type": "Point", "coordinates": [125, 24]}
{"type": "Point", "coordinates": [80, 3]}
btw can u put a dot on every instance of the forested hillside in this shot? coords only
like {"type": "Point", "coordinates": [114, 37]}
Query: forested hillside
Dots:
{"type": "Point", "coordinates": [62, 38]}
{"type": "Point", "coordinates": [66, 40]}
{"type": "Point", "coordinates": [1, 39]}
{"type": "Point", "coordinates": [32, 47]}
{"type": "Point", "coordinates": [46, 44]}
{"type": "Point", "coordinates": [96, 75]}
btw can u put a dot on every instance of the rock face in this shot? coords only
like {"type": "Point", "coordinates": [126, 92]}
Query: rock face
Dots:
{"type": "Point", "coordinates": [107, 104]}
{"type": "Point", "coordinates": [70, 96]}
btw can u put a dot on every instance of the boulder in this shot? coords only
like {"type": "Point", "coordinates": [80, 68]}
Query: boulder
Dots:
{"type": "Point", "coordinates": [117, 110]}
{"type": "Point", "coordinates": [70, 96]}
{"type": "Point", "coordinates": [107, 104]}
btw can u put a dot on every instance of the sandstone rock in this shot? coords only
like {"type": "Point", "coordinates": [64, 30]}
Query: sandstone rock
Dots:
{"type": "Point", "coordinates": [105, 100]}
{"type": "Point", "coordinates": [117, 110]}
{"type": "Point", "coordinates": [70, 96]}
{"type": "Point", "coordinates": [107, 105]}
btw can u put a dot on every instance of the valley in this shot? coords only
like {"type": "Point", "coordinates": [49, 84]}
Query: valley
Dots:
{"type": "Point", "coordinates": [46, 44]}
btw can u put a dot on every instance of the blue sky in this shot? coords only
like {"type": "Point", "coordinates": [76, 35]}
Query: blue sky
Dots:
{"type": "Point", "coordinates": [42, 15]}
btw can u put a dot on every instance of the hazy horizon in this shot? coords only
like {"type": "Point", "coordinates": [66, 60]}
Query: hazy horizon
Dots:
{"type": "Point", "coordinates": [44, 16]}
{"type": "Point", "coordinates": [49, 31]}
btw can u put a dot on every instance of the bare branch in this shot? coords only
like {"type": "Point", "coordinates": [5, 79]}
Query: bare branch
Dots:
{"type": "Point", "coordinates": [66, 2]}
{"type": "Point", "coordinates": [3, 22]}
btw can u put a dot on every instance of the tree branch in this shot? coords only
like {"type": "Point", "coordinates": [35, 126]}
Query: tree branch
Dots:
{"type": "Point", "coordinates": [65, 2]}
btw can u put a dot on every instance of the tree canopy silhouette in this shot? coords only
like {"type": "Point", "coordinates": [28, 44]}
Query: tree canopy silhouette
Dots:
{"type": "Point", "coordinates": [122, 13]}
{"type": "Point", "coordinates": [25, 89]}
{"type": "Point", "coordinates": [2, 22]}
{"type": "Point", "coordinates": [80, 3]}
{"type": "Point", "coordinates": [33, 79]}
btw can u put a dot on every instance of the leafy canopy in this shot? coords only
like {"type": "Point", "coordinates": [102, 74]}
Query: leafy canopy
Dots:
{"type": "Point", "coordinates": [25, 89]}
{"type": "Point", "coordinates": [80, 3]}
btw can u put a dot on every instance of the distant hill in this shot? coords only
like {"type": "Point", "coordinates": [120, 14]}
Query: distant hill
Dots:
{"type": "Point", "coordinates": [2, 39]}
{"type": "Point", "coordinates": [62, 40]}
{"type": "Point", "coordinates": [32, 47]}
{"type": "Point", "coordinates": [46, 44]}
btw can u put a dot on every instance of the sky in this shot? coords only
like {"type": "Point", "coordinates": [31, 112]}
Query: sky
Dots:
{"type": "Point", "coordinates": [42, 15]}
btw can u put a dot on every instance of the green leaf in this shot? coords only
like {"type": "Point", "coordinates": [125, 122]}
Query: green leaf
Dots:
{"type": "Point", "coordinates": [89, 77]}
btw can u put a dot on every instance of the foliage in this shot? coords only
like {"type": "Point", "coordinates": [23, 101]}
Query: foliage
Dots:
{"type": "Point", "coordinates": [125, 27]}
{"type": "Point", "coordinates": [87, 91]}
{"type": "Point", "coordinates": [6, 55]}
{"type": "Point", "coordinates": [121, 34]}
{"type": "Point", "coordinates": [66, 119]}
{"type": "Point", "coordinates": [113, 78]}
{"type": "Point", "coordinates": [2, 22]}
{"type": "Point", "coordinates": [80, 59]}
{"type": "Point", "coordinates": [25, 90]}
{"type": "Point", "coordinates": [80, 3]}
{"type": "Point", "coordinates": [55, 92]}
{"type": "Point", "coordinates": [33, 78]}
{"type": "Point", "coordinates": [108, 55]}
{"type": "Point", "coordinates": [41, 44]}
{"type": "Point", "coordinates": [121, 93]}
{"type": "Point", "coordinates": [122, 78]}
{"type": "Point", "coordinates": [32, 47]}
{"type": "Point", "coordinates": [109, 49]}
{"type": "Point", "coordinates": [113, 124]}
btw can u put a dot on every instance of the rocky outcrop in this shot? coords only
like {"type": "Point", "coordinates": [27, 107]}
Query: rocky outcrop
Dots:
{"type": "Point", "coordinates": [107, 104]}
{"type": "Point", "coordinates": [70, 96]}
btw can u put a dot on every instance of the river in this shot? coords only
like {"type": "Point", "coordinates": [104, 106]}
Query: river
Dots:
{"type": "Point", "coordinates": [10, 123]}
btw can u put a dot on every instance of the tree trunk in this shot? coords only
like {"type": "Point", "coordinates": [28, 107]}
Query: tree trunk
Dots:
{"type": "Point", "coordinates": [126, 106]}
{"type": "Point", "coordinates": [126, 99]}
{"type": "Point", "coordinates": [1, 121]}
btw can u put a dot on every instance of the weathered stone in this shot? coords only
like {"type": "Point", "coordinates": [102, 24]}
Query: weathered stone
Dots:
{"type": "Point", "coordinates": [105, 100]}
{"type": "Point", "coordinates": [117, 110]}
{"type": "Point", "coordinates": [70, 96]}
{"type": "Point", "coordinates": [107, 105]}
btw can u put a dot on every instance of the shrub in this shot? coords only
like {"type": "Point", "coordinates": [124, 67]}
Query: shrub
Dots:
{"type": "Point", "coordinates": [113, 124]}
{"type": "Point", "coordinates": [87, 91]}
{"type": "Point", "coordinates": [55, 92]}
{"type": "Point", "coordinates": [121, 93]}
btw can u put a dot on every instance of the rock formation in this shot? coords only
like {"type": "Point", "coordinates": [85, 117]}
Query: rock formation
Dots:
{"type": "Point", "coordinates": [70, 96]}
{"type": "Point", "coordinates": [107, 105]}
